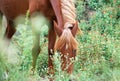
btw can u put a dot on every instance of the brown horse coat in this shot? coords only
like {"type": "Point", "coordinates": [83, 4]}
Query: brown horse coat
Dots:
{"type": "Point", "coordinates": [11, 11]}
{"type": "Point", "coordinates": [51, 9]}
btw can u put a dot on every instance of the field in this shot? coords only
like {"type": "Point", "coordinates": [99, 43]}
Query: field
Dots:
{"type": "Point", "coordinates": [98, 55]}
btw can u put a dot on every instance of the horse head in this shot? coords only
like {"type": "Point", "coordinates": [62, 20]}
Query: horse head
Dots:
{"type": "Point", "coordinates": [66, 45]}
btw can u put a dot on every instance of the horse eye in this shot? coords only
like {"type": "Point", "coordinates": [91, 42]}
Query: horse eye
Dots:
{"type": "Point", "coordinates": [74, 51]}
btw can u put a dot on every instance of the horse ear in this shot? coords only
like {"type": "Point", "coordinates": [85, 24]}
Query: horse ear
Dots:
{"type": "Point", "coordinates": [74, 29]}
{"type": "Point", "coordinates": [57, 29]}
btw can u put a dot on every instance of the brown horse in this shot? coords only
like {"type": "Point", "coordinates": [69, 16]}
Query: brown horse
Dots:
{"type": "Point", "coordinates": [51, 9]}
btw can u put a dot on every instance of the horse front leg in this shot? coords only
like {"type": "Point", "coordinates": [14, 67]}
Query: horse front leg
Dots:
{"type": "Point", "coordinates": [10, 30]}
{"type": "Point", "coordinates": [51, 43]}
{"type": "Point", "coordinates": [35, 50]}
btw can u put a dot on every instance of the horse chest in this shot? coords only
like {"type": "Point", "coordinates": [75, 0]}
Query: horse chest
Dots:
{"type": "Point", "coordinates": [46, 9]}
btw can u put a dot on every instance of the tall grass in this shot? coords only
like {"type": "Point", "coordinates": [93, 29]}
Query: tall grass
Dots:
{"type": "Point", "coordinates": [97, 57]}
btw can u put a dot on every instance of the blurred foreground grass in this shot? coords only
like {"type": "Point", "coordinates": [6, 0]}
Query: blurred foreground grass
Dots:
{"type": "Point", "coordinates": [98, 57]}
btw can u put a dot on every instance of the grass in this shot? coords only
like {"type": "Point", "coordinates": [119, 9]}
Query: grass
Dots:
{"type": "Point", "coordinates": [97, 57]}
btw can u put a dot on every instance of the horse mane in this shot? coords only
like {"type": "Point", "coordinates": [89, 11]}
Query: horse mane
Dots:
{"type": "Point", "coordinates": [66, 39]}
{"type": "Point", "coordinates": [68, 11]}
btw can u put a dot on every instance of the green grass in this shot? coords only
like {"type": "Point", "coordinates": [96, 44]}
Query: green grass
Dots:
{"type": "Point", "coordinates": [98, 57]}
